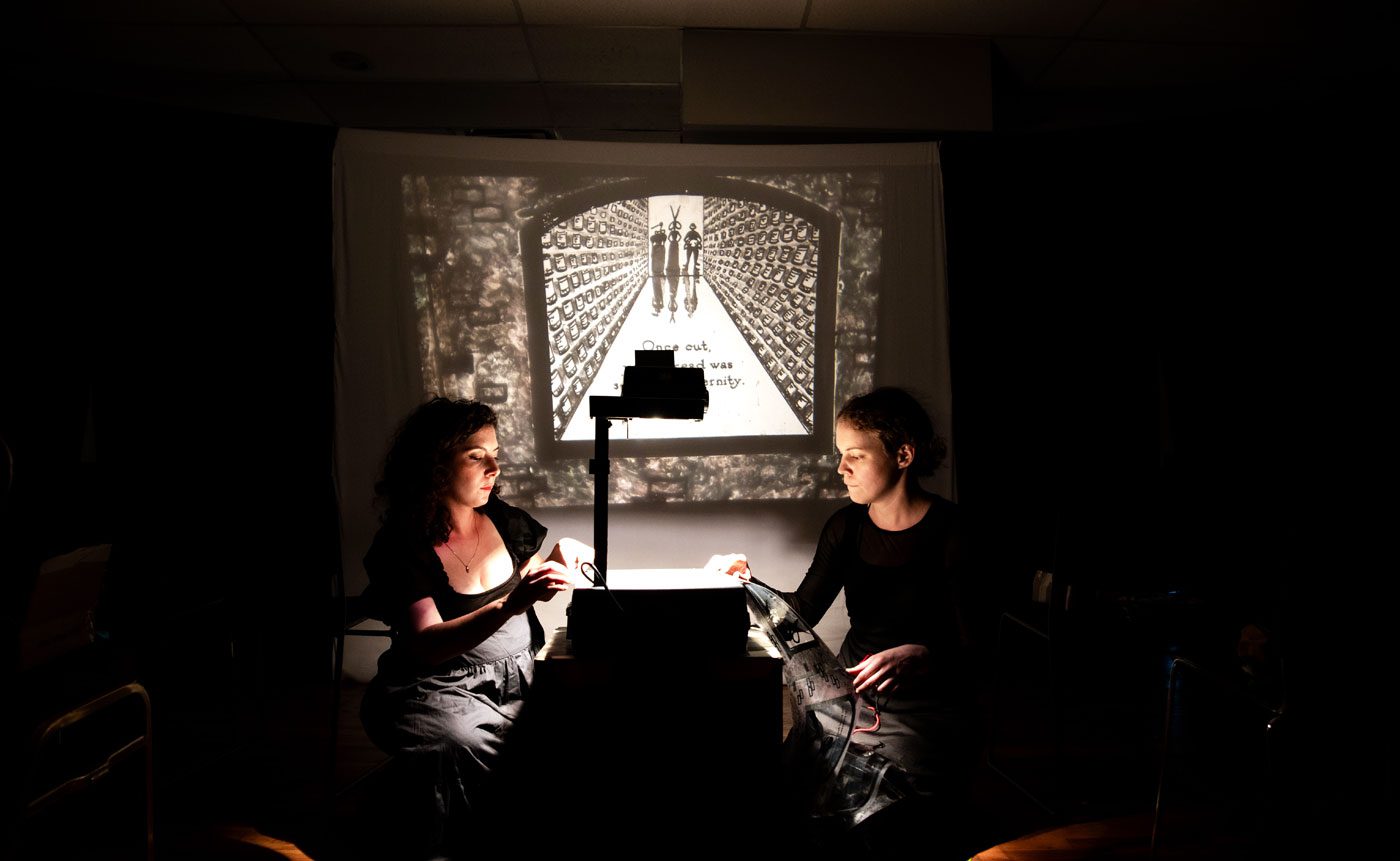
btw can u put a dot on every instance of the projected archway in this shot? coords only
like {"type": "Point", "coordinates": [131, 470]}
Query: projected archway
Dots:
{"type": "Point", "coordinates": [736, 277]}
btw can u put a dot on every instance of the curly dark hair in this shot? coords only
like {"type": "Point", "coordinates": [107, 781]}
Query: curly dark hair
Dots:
{"type": "Point", "coordinates": [897, 418]}
{"type": "Point", "coordinates": [419, 467]}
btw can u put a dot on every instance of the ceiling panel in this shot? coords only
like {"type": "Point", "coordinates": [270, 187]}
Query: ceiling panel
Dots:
{"type": "Point", "coordinates": [1125, 65]}
{"type": "Point", "coordinates": [278, 100]}
{"type": "Point", "coordinates": [747, 79]}
{"type": "Point", "coordinates": [128, 12]}
{"type": "Point", "coordinates": [623, 135]}
{"type": "Point", "coordinates": [954, 17]}
{"type": "Point", "coordinates": [616, 106]}
{"type": "Point", "coordinates": [1118, 44]}
{"type": "Point", "coordinates": [1199, 21]}
{"type": "Point", "coordinates": [473, 13]}
{"type": "Point", "coordinates": [403, 53]}
{"type": "Point", "coordinates": [633, 55]}
{"type": "Point", "coordinates": [420, 105]}
{"type": "Point", "coordinates": [739, 14]}
{"type": "Point", "coordinates": [1027, 59]}
{"type": "Point", "coordinates": [176, 51]}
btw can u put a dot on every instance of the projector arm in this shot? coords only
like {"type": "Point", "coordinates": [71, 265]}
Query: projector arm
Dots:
{"type": "Point", "coordinates": [600, 466]}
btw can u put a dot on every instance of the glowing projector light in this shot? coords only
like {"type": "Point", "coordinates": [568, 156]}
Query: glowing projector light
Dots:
{"type": "Point", "coordinates": [660, 612]}
{"type": "Point", "coordinates": [670, 578]}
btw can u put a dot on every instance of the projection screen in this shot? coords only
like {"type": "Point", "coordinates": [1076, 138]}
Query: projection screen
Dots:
{"type": "Point", "coordinates": [526, 273]}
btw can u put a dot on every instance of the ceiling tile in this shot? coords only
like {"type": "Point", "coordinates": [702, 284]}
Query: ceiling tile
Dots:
{"type": "Point", "coordinates": [612, 54]}
{"type": "Point", "coordinates": [471, 13]}
{"type": "Point", "coordinates": [953, 17]}
{"type": "Point", "coordinates": [1027, 59]}
{"type": "Point", "coordinates": [620, 135]}
{"type": "Point", "coordinates": [746, 14]}
{"type": "Point", "coordinates": [179, 51]}
{"type": "Point", "coordinates": [747, 79]}
{"type": "Point", "coordinates": [403, 53]}
{"type": "Point", "coordinates": [1199, 21]}
{"type": "Point", "coordinates": [737, 14]}
{"type": "Point", "coordinates": [462, 106]}
{"type": "Point", "coordinates": [1125, 65]}
{"type": "Point", "coordinates": [130, 12]}
{"type": "Point", "coordinates": [277, 100]}
{"type": "Point", "coordinates": [615, 106]}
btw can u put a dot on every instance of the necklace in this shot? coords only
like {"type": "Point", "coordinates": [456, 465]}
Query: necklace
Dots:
{"type": "Point", "coordinates": [448, 544]}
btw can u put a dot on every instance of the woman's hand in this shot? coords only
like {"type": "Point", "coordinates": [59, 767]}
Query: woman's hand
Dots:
{"type": "Point", "coordinates": [571, 553]}
{"type": "Point", "coordinates": [540, 580]}
{"type": "Point", "coordinates": [735, 564]}
{"type": "Point", "coordinates": [884, 670]}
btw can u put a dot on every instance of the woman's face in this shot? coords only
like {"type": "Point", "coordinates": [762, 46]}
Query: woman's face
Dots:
{"type": "Point", "coordinates": [870, 474]}
{"type": "Point", "coordinates": [477, 469]}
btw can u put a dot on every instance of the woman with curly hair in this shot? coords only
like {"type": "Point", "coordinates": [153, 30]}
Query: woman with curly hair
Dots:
{"type": "Point", "coordinates": [455, 572]}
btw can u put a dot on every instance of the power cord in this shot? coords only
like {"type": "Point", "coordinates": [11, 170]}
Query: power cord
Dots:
{"type": "Point", "coordinates": [599, 580]}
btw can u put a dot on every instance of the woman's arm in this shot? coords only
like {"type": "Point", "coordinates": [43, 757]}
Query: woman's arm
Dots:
{"type": "Point", "coordinates": [433, 641]}
{"type": "Point", "coordinates": [821, 584]}
{"type": "Point", "coordinates": [571, 553]}
{"type": "Point", "coordinates": [825, 576]}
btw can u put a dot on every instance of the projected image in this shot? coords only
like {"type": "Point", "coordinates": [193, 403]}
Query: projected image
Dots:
{"type": "Point", "coordinates": [730, 285]}
{"type": "Point", "coordinates": [533, 294]}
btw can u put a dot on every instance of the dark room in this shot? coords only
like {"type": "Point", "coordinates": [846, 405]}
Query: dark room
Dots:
{"type": "Point", "coordinates": [817, 426]}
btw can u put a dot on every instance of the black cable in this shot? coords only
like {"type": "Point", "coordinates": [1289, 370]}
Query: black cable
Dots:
{"type": "Point", "coordinates": [600, 580]}
{"type": "Point", "coordinates": [757, 582]}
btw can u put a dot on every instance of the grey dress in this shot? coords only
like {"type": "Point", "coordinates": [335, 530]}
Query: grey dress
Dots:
{"type": "Point", "coordinates": [450, 722]}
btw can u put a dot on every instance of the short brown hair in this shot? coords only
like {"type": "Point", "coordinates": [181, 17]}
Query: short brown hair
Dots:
{"type": "Point", "coordinates": [897, 418]}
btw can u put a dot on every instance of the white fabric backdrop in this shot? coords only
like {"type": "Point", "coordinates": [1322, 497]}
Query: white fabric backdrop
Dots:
{"type": "Point", "coordinates": [428, 260]}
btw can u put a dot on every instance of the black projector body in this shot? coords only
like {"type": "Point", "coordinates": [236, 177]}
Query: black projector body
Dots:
{"type": "Point", "coordinates": [668, 612]}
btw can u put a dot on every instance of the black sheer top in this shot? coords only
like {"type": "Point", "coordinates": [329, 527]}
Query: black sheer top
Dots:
{"type": "Point", "coordinates": [403, 568]}
{"type": "Point", "coordinates": [901, 587]}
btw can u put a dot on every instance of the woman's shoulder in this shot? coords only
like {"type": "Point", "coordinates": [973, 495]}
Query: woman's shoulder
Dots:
{"type": "Point", "coordinates": [848, 516]}
{"type": "Point", "coordinates": [942, 513]}
{"type": "Point", "coordinates": [394, 545]}
{"type": "Point", "coordinates": [518, 528]}
{"type": "Point", "coordinates": [498, 509]}
{"type": "Point", "coordinates": [942, 506]}
{"type": "Point", "coordinates": [402, 568]}
{"type": "Point", "coordinates": [942, 524]}
{"type": "Point", "coordinates": [393, 538]}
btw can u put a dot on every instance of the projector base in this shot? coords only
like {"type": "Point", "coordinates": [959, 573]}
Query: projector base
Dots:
{"type": "Point", "coordinates": [705, 622]}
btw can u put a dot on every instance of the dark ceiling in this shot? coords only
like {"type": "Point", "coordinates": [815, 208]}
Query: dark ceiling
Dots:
{"type": "Point", "coordinates": [671, 71]}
